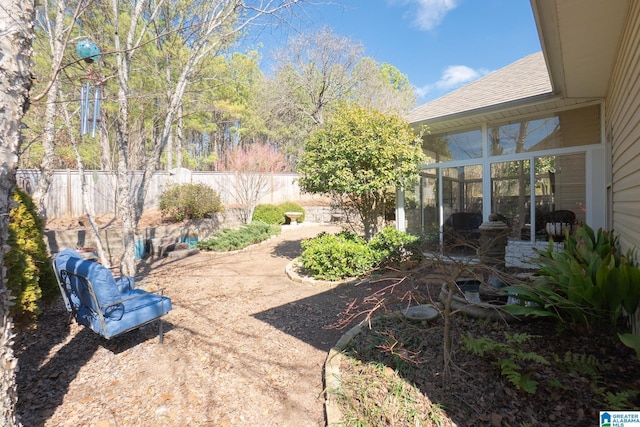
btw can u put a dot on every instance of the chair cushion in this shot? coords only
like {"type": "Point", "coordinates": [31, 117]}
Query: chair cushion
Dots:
{"type": "Point", "coordinates": [105, 286]}
{"type": "Point", "coordinates": [143, 307]}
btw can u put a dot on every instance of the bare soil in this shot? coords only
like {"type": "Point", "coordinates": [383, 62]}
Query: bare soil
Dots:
{"type": "Point", "coordinates": [245, 346]}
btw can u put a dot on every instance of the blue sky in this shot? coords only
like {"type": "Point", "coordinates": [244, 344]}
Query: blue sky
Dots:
{"type": "Point", "coordinates": [439, 44]}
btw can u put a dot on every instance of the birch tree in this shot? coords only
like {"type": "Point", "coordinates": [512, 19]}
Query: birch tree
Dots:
{"type": "Point", "coordinates": [57, 33]}
{"type": "Point", "coordinates": [16, 37]}
{"type": "Point", "coordinates": [211, 26]}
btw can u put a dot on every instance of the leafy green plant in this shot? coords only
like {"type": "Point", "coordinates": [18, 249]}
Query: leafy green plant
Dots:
{"type": "Point", "coordinates": [30, 277]}
{"type": "Point", "coordinates": [189, 201]}
{"type": "Point", "coordinates": [345, 254]}
{"type": "Point", "coordinates": [360, 154]}
{"type": "Point", "coordinates": [336, 256]}
{"type": "Point", "coordinates": [580, 364]}
{"type": "Point", "coordinates": [619, 401]}
{"type": "Point", "coordinates": [509, 357]}
{"type": "Point", "coordinates": [269, 214]}
{"type": "Point", "coordinates": [390, 245]}
{"type": "Point", "coordinates": [632, 341]}
{"type": "Point", "coordinates": [229, 239]}
{"type": "Point", "coordinates": [291, 207]}
{"type": "Point", "coordinates": [585, 282]}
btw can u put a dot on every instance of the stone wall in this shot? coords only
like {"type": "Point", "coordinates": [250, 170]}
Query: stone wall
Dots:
{"type": "Point", "coordinates": [151, 238]}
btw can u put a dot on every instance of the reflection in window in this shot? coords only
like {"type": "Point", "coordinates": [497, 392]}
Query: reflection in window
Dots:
{"type": "Point", "coordinates": [560, 184]}
{"type": "Point", "coordinates": [454, 146]}
{"type": "Point", "coordinates": [421, 206]}
{"type": "Point", "coordinates": [511, 188]}
{"type": "Point", "coordinates": [462, 189]}
{"type": "Point", "coordinates": [560, 191]}
{"type": "Point", "coordinates": [566, 129]}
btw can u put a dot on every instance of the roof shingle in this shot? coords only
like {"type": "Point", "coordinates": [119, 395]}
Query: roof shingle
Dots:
{"type": "Point", "coordinates": [525, 78]}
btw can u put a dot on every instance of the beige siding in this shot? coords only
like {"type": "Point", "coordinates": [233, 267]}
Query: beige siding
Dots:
{"type": "Point", "coordinates": [623, 130]}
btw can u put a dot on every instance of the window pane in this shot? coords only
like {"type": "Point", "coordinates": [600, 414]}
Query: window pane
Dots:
{"type": "Point", "coordinates": [511, 189]}
{"type": "Point", "coordinates": [455, 146]}
{"type": "Point", "coordinates": [560, 191]}
{"type": "Point", "coordinates": [566, 129]}
{"type": "Point", "coordinates": [422, 207]}
{"type": "Point", "coordinates": [462, 205]}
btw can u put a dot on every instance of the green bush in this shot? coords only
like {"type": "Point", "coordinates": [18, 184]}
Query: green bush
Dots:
{"type": "Point", "coordinates": [335, 257]}
{"type": "Point", "coordinates": [189, 201]}
{"type": "Point", "coordinates": [291, 207]}
{"type": "Point", "coordinates": [229, 240]}
{"type": "Point", "coordinates": [345, 254]}
{"type": "Point", "coordinates": [391, 245]}
{"type": "Point", "coordinates": [269, 214]}
{"type": "Point", "coordinates": [30, 276]}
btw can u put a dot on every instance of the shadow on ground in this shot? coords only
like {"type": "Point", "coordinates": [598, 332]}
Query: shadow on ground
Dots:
{"type": "Point", "coordinates": [320, 320]}
{"type": "Point", "coordinates": [51, 356]}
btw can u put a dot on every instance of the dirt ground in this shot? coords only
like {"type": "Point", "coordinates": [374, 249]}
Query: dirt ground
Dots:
{"type": "Point", "coordinates": [244, 346]}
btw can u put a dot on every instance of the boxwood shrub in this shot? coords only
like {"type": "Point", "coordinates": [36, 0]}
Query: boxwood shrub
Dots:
{"type": "Point", "coordinates": [345, 254]}
{"type": "Point", "coordinates": [269, 214]}
{"type": "Point", "coordinates": [335, 257]}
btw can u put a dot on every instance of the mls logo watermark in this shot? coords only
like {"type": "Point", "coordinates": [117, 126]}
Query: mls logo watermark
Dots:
{"type": "Point", "coordinates": [619, 419]}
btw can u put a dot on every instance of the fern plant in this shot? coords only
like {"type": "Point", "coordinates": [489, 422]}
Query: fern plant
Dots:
{"type": "Point", "coordinates": [509, 357]}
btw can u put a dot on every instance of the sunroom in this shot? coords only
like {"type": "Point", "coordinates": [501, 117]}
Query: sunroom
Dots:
{"type": "Point", "coordinates": [506, 144]}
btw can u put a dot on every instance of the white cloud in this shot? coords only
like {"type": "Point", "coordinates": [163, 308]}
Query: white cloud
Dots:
{"type": "Point", "coordinates": [429, 13]}
{"type": "Point", "coordinates": [457, 75]}
{"type": "Point", "coordinates": [452, 77]}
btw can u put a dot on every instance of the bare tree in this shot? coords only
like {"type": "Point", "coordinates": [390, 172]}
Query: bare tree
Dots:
{"type": "Point", "coordinates": [57, 34]}
{"type": "Point", "coordinates": [16, 37]}
{"type": "Point", "coordinates": [315, 73]}
{"type": "Point", "coordinates": [210, 26]}
{"type": "Point", "coordinates": [383, 87]}
{"type": "Point", "coordinates": [253, 168]}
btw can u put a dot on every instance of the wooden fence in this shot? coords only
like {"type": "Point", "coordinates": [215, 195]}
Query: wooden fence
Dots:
{"type": "Point", "coordinates": [65, 195]}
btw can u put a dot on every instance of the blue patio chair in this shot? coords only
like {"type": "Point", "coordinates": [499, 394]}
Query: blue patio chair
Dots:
{"type": "Point", "coordinates": [107, 306]}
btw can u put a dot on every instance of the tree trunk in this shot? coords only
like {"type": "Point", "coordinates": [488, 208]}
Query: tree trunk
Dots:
{"type": "Point", "coordinates": [16, 21]}
{"type": "Point", "coordinates": [57, 44]}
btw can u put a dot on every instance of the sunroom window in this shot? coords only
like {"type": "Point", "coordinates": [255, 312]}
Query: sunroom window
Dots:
{"type": "Point", "coordinates": [453, 146]}
{"type": "Point", "coordinates": [566, 129]}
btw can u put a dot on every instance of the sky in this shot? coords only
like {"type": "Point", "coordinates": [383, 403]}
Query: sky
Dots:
{"type": "Point", "coordinates": [439, 44]}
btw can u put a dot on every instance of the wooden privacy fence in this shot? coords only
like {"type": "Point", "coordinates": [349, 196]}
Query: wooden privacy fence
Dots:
{"type": "Point", "coordinates": [64, 198]}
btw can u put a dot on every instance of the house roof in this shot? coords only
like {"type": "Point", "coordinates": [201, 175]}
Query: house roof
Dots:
{"type": "Point", "coordinates": [522, 81]}
{"type": "Point", "coordinates": [580, 39]}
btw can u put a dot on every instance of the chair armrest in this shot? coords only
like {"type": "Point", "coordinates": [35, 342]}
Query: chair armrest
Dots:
{"type": "Point", "coordinates": [133, 297]}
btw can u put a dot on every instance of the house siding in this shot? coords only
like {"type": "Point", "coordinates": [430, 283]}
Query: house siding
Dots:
{"type": "Point", "coordinates": [622, 124]}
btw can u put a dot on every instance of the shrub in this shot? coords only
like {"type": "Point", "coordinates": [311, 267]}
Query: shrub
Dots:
{"type": "Point", "coordinates": [334, 256]}
{"type": "Point", "coordinates": [345, 254]}
{"type": "Point", "coordinates": [269, 214]}
{"type": "Point", "coordinates": [291, 207]}
{"type": "Point", "coordinates": [30, 276]}
{"type": "Point", "coordinates": [391, 245]}
{"type": "Point", "coordinates": [189, 201]}
{"type": "Point", "coordinates": [229, 240]}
